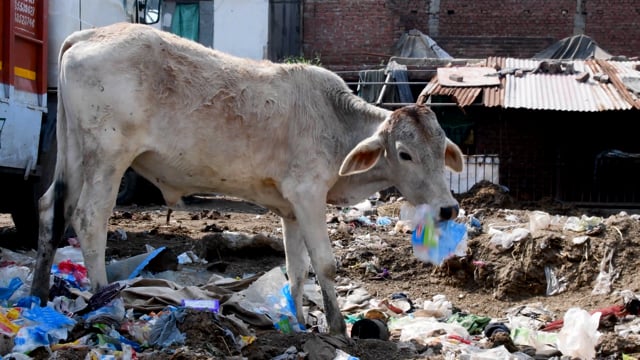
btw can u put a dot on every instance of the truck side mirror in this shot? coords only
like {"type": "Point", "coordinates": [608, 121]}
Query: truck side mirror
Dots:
{"type": "Point", "coordinates": [149, 11]}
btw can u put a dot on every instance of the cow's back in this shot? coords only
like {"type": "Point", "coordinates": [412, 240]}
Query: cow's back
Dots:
{"type": "Point", "coordinates": [194, 119]}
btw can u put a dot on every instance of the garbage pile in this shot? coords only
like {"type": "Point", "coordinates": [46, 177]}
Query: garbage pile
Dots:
{"type": "Point", "coordinates": [161, 313]}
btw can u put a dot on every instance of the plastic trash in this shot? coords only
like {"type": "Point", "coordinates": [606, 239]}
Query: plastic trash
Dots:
{"type": "Point", "coordinates": [541, 340]}
{"type": "Point", "coordinates": [582, 224]}
{"type": "Point", "coordinates": [14, 284]}
{"type": "Point", "coordinates": [281, 310]}
{"type": "Point", "coordinates": [500, 352]}
{"type": "Point", "coordinates": [290, 354]}
{"type": "Point", "coordinates": [341, 355]}
{"type": "Point", "coordinates": [539, 220]}
{"type": "Point", "coordinates": [607, 274]}
{"type": "Point", "coordinates": [201, 304]}
{"type": "Point", "coordinates": [402, 302]}
{"type": "Point", "coordinates": [69, 252]}
{"type": "Point", "coordinates": [364, 220]}
{"type": "Point", "coordinates": [112, 313]}
{"type": "Point", "coordinates": [7, 327]}
{"type": "Point", "coordinates": [579, 335]}
{"type": "Point", "coordinates": [474, 222]}
{"type": "Point", "coordinates": [165, 331]}
{"type": "Point", "coordinates": [432, 241]}
{"type": "Point", "coordinates": [423, 329]}
{"type": "Point", "coordinates": [75, 274]}
{"type": "Point", "coordinates": [438, 307]}
{"type": "Point", "coordinates": [49, 327]}
{"type": "Point", "coordinates": [270, 295]}
{"type": "Point", "coordinates": [555, 285]}
{"type": "Point", "coordinates": [131, 267]}
{"type": "Point", "coordinates": [17, 258]}
{"type": "Point", "coordinates": [506, 239]}
{"type": "Point", "coordinates": [383, 221]}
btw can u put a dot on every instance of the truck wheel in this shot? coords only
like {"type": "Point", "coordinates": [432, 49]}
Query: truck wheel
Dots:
{"type": "Point", "coordinates": [24, 213]}
{"type": "Point", "coordinates": [127, 189]}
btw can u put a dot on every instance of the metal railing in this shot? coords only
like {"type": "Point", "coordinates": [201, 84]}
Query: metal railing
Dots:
{"type": "Point", "coordinates": [476, 168]}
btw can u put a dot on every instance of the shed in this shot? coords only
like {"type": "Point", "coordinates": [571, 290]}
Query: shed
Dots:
{"type": "Point", "coordinates": [559, 127]}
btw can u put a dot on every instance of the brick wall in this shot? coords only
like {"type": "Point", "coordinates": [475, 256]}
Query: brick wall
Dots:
{"type": "Point", "coordinates": [615, 25]}
{"type": "Point", "coordinates": [355, 34]}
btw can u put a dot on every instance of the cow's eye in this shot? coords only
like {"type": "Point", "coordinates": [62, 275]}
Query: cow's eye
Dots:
{"type": "Point", "coordinates": [405, 156]}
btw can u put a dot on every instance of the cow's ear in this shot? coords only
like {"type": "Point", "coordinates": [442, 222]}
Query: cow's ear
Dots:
{"type": "Point", "coordinates": [453, 156]}
{"type": "Point", "coordinates": [363, 157]}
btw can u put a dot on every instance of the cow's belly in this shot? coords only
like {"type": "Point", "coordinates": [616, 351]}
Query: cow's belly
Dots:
{"type": "Point", "coordinates": [178, 179]}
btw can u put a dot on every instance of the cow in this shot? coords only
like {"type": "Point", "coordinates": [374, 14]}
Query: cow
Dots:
{"type": "Point", "coordinates": [290, 137]}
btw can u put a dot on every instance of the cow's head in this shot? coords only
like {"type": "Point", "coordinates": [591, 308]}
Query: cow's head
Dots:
{"type": "Point", "coordinates": [415, 151]}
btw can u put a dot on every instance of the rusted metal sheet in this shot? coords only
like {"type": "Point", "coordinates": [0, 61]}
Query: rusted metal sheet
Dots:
{"type": "Point", "coordinates": [465, 96]}
{"type": "Point", "coordinates": [494, 96]}
{"type": "Point", "coordinates": [617, 72]}
{"type": "Point", "coordinates": [468, 76]}
{"type": "Point", "coordinates": [527, 88]}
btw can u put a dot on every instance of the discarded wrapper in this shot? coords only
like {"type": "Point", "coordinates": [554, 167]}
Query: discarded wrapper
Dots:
{"type": "Point", "coordinates": [202, 304]}
{"type": "Point", "coordinates": [432, 241]}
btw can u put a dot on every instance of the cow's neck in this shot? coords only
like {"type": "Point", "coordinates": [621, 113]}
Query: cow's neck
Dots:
{"type": "Point", "coordinates": [350, 190]}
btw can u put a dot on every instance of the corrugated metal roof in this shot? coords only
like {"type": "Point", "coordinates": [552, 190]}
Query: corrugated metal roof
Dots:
{"type": "Point", "coordinates": [544, 91]}
{"type": "Point", "coordinates": [541, 91]}
{"type": "Point", "coordinates": [464, 96]}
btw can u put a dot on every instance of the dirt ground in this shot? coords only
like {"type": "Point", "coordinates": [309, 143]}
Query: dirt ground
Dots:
{"type": "Point", "coordinates": [487, 282]}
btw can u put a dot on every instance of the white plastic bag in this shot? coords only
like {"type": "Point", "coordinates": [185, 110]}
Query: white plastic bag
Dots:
{"type": "Point", "coordinates": [579, 334]}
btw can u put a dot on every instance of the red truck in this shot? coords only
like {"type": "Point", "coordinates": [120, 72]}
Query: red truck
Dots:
{"type": "Point", "coordinates": [31, 32]}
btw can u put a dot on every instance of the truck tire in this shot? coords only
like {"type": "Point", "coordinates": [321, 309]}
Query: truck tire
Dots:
{"type": "Point", "coordinates": [136, 189]}
{"type": "Point", "coordinates": [127, 189]}
{"type": "Point", "coordinates": [24, 212]}
{"type": "Point", "coordinates": [24, 198]}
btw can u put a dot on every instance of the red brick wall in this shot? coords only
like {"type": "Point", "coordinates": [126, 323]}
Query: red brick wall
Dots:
{"type": "Point", "coordinates": [615, 25]}
{"type": "Point", "coordinates": [354, 34]}
{"type": "Point", "coordinates": [357, 32]}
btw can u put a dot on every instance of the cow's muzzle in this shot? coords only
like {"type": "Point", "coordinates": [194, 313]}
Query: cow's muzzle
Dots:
{"type": "Point", "coordinates": [449, 213]}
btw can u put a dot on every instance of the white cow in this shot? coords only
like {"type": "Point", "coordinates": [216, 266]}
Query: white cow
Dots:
{"type": "Point", "coordinates": [191, 120]}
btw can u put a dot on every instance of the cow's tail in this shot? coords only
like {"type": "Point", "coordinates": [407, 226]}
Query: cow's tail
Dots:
{"type": "Point", "coordinates": [64, 141]}
{"type": "Point", "coordinates": [59, 221]}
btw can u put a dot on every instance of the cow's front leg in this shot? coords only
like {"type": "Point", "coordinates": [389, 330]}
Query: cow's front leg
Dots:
{"type": "Point", "coordinates": [324, 265]}
{"type": "Point", "coordinates": [297, 263]}
{"type": "Point", "coordinates": [310, 214]}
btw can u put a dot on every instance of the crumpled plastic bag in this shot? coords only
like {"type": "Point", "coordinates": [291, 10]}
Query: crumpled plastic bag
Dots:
{"type": "Point", "coordinates": [506, 239]}
{"type": "Point", "coordinates": [582, 224]}
{"type": "Point", "coordinates": [579, 335]}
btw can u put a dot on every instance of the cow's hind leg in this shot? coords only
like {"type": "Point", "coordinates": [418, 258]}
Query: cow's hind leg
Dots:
{"type": "Point", "coordinates": [297, 263]}
{"type": "Point", "coordinates": [90, 219]}
{"type": "Point", "coordinates": [51, 227]}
